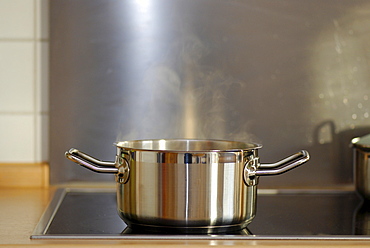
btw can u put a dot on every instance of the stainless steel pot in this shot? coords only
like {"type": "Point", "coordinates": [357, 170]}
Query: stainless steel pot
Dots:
{"type": "Point", "coordinates": [202, 186]}
{"type": "Point", "coordinates": [361, 147]}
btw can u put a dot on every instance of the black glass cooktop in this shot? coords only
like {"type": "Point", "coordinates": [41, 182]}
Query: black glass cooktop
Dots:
{"type": "Point", "coordinates": [289, 214]}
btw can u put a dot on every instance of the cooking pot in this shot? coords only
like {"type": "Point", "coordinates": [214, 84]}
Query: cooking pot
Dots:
{"type": "Point", "coordinates": [187, 186]}
{"type": "Point", "coordinates": [361, 147]}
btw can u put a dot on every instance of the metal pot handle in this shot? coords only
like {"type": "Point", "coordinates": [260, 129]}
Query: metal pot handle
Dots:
{"type": "Point", "coordinates": [253, 169]}
{"type": "Point", "coordinates": [283, 165]}
{"type": "Point", "coordinates": [90, 162]}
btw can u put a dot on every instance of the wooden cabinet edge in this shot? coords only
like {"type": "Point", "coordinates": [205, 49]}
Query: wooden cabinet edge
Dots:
{"type": "Point", "coordinates": [24, 175]}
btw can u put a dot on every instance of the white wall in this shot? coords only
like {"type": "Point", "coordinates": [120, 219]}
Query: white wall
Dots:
{"type": "Point", "coordinates": [24, 111]}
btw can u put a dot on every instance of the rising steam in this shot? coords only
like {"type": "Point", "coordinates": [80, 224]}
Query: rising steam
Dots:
{"type": "Point", "coordinates": [181, 96]}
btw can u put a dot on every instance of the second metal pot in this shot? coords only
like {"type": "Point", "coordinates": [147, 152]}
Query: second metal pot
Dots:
{"type": "Point", "coordinates": [361, 147]}
{"type": "Point", "coordinates": [201, 186]}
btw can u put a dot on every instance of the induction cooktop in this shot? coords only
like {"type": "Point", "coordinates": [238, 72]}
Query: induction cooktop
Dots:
{"type": "Point", "coordinates": [80, 213]}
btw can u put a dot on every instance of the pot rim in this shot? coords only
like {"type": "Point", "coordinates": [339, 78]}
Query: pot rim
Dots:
{"type": "Point", "coordinates": [187, 145]}
{"type": "Point", "coordinates": [361, 142]}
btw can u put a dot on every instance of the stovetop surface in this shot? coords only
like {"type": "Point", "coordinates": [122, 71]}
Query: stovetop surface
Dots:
{"type": "Point", "coordinates": [289, 214]}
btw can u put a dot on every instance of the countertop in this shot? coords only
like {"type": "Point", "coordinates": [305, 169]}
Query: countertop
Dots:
{"type": "Point", "coordinates": [21, 209]}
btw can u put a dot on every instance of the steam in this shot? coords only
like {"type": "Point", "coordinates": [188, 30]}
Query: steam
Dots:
{"type": "Point", "coordinates": [182, 96]}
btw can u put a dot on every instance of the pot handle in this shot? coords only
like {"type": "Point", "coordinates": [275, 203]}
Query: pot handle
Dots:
{"type": "Point", "coordinates": [283, 165]}
{"type": "Point", "coordinates": [90, 162]}
{"type": "Point", "coordinates": [253, 169]}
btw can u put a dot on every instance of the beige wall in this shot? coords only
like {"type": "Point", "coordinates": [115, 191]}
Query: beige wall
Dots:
{"type": "Point", "coordinates": [24, 111]}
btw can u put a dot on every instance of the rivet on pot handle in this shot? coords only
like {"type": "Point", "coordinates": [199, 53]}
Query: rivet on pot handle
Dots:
{"type": "Point", "coordinates": [253, 169]}
{"type": "Point", "coordinates": [123, 171]}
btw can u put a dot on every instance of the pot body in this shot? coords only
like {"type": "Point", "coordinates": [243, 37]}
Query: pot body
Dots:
{"type": "Point", "coordinates": [362, 165]}
{"type": "Point", "coordinates": [199, 191]}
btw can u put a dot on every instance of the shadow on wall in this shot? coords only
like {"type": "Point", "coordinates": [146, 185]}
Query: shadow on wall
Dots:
{"type": "Point", "coordinates": [337, 79]}
{"type": "Point", "coordinates": [340, 65]}
{"type": "Point", "coordinates": [336, 146]}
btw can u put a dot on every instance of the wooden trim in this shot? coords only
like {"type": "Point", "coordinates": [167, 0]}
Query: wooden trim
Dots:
{"type": "Point", "coordinates": [20, 175]}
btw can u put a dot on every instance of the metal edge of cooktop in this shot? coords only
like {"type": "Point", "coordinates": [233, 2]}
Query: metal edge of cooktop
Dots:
{"type": "Point", "coordinates": [48, 216]}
